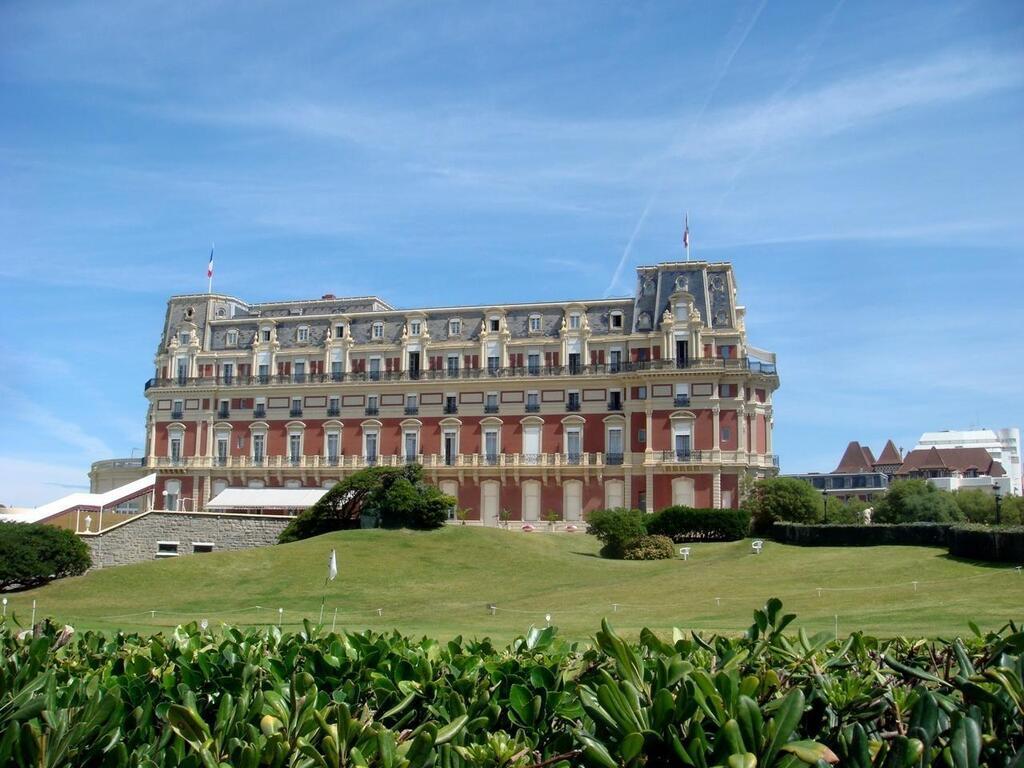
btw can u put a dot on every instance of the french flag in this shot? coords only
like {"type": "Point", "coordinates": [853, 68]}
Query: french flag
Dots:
{"type": "Point", "coordinates": [209, 267]}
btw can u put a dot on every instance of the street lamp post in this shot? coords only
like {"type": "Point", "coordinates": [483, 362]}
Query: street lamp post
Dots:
{"type": "Point", "coordinates": [824, 498]}
{"type": "Point", "coordinates": [995, 488]}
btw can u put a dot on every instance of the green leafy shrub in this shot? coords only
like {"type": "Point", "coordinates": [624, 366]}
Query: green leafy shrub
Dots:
{"type": "Point", "coordinates": [915, 501]}
{"type": "Point", "coordinates": [33, 554]}
{"type": "Point", "coordinates": [262, 697]}
{"type": "Point", "coordinates": [687, 524]}
{"type": "Point", "coordinates": [615, 528]}
{"type": "Point", "coordinates": [782, 499]}
{"type": "Point", "coordinates": [650, 547]}
{"type": "Point", "coordinates": [908, 534]}
{"type": "Point", "coordinates": [397, 496]}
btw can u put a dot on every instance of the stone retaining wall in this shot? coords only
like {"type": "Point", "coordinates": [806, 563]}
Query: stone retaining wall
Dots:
{"type": "Point", "coordinates": [135, 540]}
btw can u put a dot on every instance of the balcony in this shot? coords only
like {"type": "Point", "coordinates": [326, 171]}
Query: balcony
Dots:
{"type": "Point", "coordinates": [613, 459]}
{"type": "Point", "coordinates": [331, 460]}
{"type": "Point", "coordinates": [259, 412]}
{"type": "Point", "coordinates": [220, 461]}
{"type": "Point", "coordinates": [298, 378]}
{"type": "Point", "coordinates": [412, 410]}
{"type": "Point", "coordinates": [641, 366]}
{"type": "Point", "coordinates": [176, 415]}
{"type": "Point", "coordinates": [372, 410]}
{"type": "Point", "coordinates": [681, 401]}
{"type": "Point", "coordinates": [533, 407]}
{"type": "Point", "coordinates": [572, 405]}
{"type": "Point", "coordinates": [223, 413]}
{"type": "Point", "coordinates": [333, 410]}
{"type": "Point", "coordinates": [294, 412]}
{"type": "Point", "coordinates": [614, 405]}
{"type": "Point", "coordinates": [573, 459]}
{"type": "Point", "coordinates": [451, 408]}
{"type": "Point", "coordinates": [490, 409]}
{"type": "Point", "coordinates": [491, 459]}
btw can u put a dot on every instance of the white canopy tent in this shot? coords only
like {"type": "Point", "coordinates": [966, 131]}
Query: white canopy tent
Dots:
{"type": "Point", "coordinates": [265, 500]}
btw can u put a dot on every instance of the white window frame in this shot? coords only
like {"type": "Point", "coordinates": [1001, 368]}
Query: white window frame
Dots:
{"type": "Point", "coordinates": [491, 430]}
{"type": "Point", "coordinates": [367, 432]}
{"type": "Point", "coordinates": [231, 338]}
{"type": "Point", "coordinates": [572, 429]}
{"type": "Point", "coordinates": [455, 326]}
{"type": "Point", "coordinates": [574, 321]}
{"type": "Point", "coordinates": [377, 330]}
{"type": "Point", "coordinates": [612, 317]}
{"type": "Point", "coordinates": [536, 323]}
{"type": "Point", "coordinates": [415, 433]}
{"type": "Point", "coordinates": [302, 334]}
{"type": "Point", "coordinates": [414, 327]}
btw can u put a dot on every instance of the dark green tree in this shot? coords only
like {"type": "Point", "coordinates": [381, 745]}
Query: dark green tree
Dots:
{"type": "Point", "coordinates": [615, 529]}
{"type": "Point", "coordinates": [976, 505]}
{"type": "Point", "coordinates": [782, 498]}
{"type": "Point", "coordinates": [398, 496]}
{"type": "Point", "coordinates": [33, 554]}
{"type": "Point", "coordinates": [915, 501]}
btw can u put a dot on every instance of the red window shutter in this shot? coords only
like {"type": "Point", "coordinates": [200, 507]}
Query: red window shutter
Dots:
{"type": "Point", "coordinates": [432, 363]}
{"type": "Point", "coordinates": [547, 359]}
{"type": "Point", "coordinates": [554, 359]}
{"type": "Point", "coordinates": [288, 368]}
{"type": "Point", "coordinates": [163, 372]}
{"type": "Point", "coordinates": [593, 357]}
{"type": "Point", "coordinates": [600, 357]}
{"type": "Point", "coordinates": [656, 353]}
{"type": "Point", "coordinates": [634, 392]}
{"type": "Point", "coordinates": [707, 350]}
{"type": "Point", "coordinates": [396, 363]}
{"type": "Point", "coordinates": [466, 360]}
{"type": "Point", "coordinates": [387, 364]}
{"type": "Point", "coordinates": [206, 403]}
{"type": "Point", "coordinates": [280, 369]}
{"type": "Point", "coordinates": [634, 355]}
{"type": "Point", "coordinates": [476, 361]}
{"type": "Point", "coordinates": [236, 403]}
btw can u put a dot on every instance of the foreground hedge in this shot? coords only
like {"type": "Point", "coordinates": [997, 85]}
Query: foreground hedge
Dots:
{"type": "Point", "coordinates": [263, 698]}
{"type": "Point", "coordinates": [906, 534]}
{"type": "Point", "coordinates": [689, 524]}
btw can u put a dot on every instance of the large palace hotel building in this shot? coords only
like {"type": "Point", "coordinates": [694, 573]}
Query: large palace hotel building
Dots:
{"type": "Point", "coordinates": [522, 409]}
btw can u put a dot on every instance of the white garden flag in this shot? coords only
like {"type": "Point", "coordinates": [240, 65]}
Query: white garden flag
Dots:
{"type": "Point", "coordinates": [332, 566]}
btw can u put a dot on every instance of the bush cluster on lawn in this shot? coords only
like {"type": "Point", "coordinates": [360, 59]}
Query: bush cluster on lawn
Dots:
{"type": "Point", "coordinates": [33, 554]}
{"type": "Point", "coordinates": [397, 496]}
{"type": "Point", "coordinates": [1004, 544]}
{"type": "Point", "coordinates": [688, 524]}
{"type": "Point", "coordinates": [615, 528]}
{"type": "Point", "coordinates": [649, 547]}
{"type": "Point", "coordinates": [251, 697]}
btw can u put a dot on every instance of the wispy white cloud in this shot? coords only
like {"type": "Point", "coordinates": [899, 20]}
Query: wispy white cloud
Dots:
{"type": "Point", "coordinates": [25, 483]}
{"type": "Point", "coordinates": [60, 427]}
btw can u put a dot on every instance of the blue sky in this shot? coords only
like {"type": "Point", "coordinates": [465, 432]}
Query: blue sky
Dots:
{"type": "Point", "coordinates": [860, 163]}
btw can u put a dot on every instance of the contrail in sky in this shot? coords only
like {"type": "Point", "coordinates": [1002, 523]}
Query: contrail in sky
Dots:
{"type": "Point", "coordinates": [722, 72]}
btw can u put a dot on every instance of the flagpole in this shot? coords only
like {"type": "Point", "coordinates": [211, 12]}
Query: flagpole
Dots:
{"type": "Point", "coordinates": [209, 272]}
{"type": "Point", "coordinates": [686, 235]}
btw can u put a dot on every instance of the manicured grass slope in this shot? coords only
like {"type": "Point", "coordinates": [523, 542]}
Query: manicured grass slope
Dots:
{"type": "Point", "coordinates": [439, 584]}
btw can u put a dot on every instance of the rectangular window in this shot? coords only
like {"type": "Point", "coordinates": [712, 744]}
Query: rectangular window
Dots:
{"type": "Point", "coordinates": [615, 360]}
{"type": "Point", "coordinates": [265, 334]}
{"type": "Point", "coordinates": [453, 365]}
{"type": "Point", "coordinates": [410, 447]}
{"type": "Point", "coordinates": [303, 334]}
{"type": "Point", "coordinates": [175, 450]}
{"type": "Point", "coordinates": [378, 330]}
{"type": "Point", "coordinates": [167, 549]}
{"type": "Point", "coordinates": [450, 405]}
{"type": "Point", "coordinates": [574, 401]}
{"type": "Point", "coordinates": [491, 405]}
{"type": "Point", "coordinates": [641, 393]}
{"type": "Point", "coordinates": [572, 446]}
{"type": "Point", "coordinates": [374, 369]}
{"type": "Point", "coordinates": [232, 338]}
{"type": "Point", "coordinates": [641, 436]}
{"type": "Point", "coordinates": [454, 327]}
{"type": "Point", "coordinates": [412, 405]}
{"type": "Point", "coordinates": [339, 331]}
{"type": "Point", "coordinates": [259, 443]}
{"type": "Point", "coordinates": [177, 409]}
{"type": "Point", "coordinates": [222, 451]}
{"type": "Point", "coordinates": [299, 371]}
{"type": "Point", "coordinates": [574, 321]}
{"type": "Point", "coordinates": [493, 363]}
{"type": "Point", "coordinates": [228, 371]}
{"type": "Point", "coordinates": [259, 410]}
{"type": "Point", "coordinates": [533, 363]}
{"type": "Point", "coordinates": [372, 405]}
{"type": "Point", "coordinates": [371, 447]}
{"type": "Point", "coordinates": [614, 447]}
{"type": "Point", "coordinates": [296, 409]}
{"type": "Point", "coordinates": [495, 324]}
{"type": "Point", "coordinates": [616, 319]}
{"type": "Point", "coordinates": [202, 547]}
{"type": "Point", "coordinates": [491, 446]}
{"type": "Point", "coordinates": [414, 328]}
{"type": "Point", "coordinates": [334, 406]}
{"type": "Point", "coordinates": [535, 324]}
{"type": "Point", "coordinates": [615, 400]}
{"type": "Point", "coordinates": [295, 448]}
{"type": "Point", "coordinates": [574, 362]}
{"type": "Point", "coordinates": [532, 402]}
{"type": "Point", "coordinates": [183, 338]}
{"type": "Point", "coordinates": [332, 447]}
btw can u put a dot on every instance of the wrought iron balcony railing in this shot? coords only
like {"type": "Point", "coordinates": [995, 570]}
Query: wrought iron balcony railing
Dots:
{"type": "Point", "coordinates": [642, 366]}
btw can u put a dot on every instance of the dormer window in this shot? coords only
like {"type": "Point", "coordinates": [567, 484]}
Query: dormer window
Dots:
{"type": "Point", "coordinates": [232, 338]}
{"type": "Point", "coordinates": [574, 321]}
{"type": "Point", "coordinates": [377, 330]}
{"type": "Point", "coordinates": [454, 327]}
{"type": "Point", "coordinates": [265, 334]}
{"type": "Point", "coordinates": [494, 323]}
{"type": "Point", "coordinates": [615, 320]}
{"type": "Point", "coordinates": [302, 334]}
{"type": "Point", "coordinates": [534, 323]}
{"type": "Point", "coordinates": [414, 328]}
{"type": "Point", "coordinates": [339, 331]}
{"type": "Point", "coordinates": [183, 337]}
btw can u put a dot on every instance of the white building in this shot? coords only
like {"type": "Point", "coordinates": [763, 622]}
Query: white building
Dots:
{"type": "Point", "coordinates": [1002, 444]}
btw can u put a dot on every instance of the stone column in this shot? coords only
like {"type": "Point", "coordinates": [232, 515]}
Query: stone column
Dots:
{"type": "Point", "coordinates": [741, 429]}
{"type": "Point", "coordinates": [716, 438]}
{"type": "Point", "coordinates": [768, 418]}
{"type": "Point", "coordinates": [716, 489]}
{"type": "Point", "coordinates": [650, 491]}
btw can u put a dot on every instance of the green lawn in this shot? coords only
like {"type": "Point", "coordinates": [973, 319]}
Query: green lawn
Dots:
{"type": "Point", "coordinates": [439, 584]}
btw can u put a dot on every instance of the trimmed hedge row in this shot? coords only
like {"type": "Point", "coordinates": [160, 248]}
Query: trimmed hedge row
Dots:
{"type": "Point", "coordinates": [979, 542]}
{"type": "Point", "coordinates": [976, 542]}
{"type": "Point", "coordinates": [687, 524]}
{"type": "Point", "coordinates": [900, 534]}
